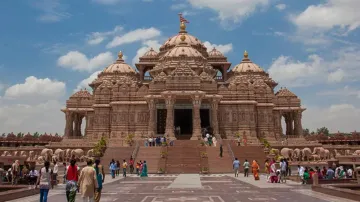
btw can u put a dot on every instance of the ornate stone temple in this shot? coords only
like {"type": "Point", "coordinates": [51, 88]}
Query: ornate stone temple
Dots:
{"type": "Point", "coordinates": [185, 86]}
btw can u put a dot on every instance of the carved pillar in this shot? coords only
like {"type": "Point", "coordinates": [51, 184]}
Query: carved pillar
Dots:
{"type": "Point", "coordinates": [141, 73]}
{"type": "Point", "coordinates": [196, 99]}
{"type": "Point", "coordinates": [214, 115]}
{"type": "Point", "coordinates": [297, 123]}
{"type": "Point", "coordinates": [288, 124]}
{"type": "Point", "coordinates": [76, 125]}
{"type": "Point", "coordinates": [69, 124]}
{"type": "Point", "coordinates": [292, 123]}
{"type": "Point", "coordinates": [169, 130]}
{"type": "Point", "coordinates": [152, 116]}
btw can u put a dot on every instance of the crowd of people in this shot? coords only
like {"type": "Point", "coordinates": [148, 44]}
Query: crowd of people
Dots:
{"type": "Point", "coordinates": [155, 141]}
{"type": "Point", "coordinates": [140, 168]}
{"type": "Point", "coordinates": [336, 172]}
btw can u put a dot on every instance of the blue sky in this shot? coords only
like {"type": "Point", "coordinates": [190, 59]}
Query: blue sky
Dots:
{"type": "Point", "coordinates": [49, 48]}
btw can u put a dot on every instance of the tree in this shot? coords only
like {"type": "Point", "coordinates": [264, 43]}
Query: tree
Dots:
{"type": "Point", "coordinates": [19, 135]}
{"type": "Point", "coordinates": [323, 130]}
{"type": "Point", "coordinates": [306, 131]}
{"type": "Point", "coordinates": [3, 135]}
{"type": "Point", "coordinates": [36, 135]}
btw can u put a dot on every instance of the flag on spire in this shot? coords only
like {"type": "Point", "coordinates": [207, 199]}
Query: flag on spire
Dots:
{"type": "Point", "coordinates": [182, 19]}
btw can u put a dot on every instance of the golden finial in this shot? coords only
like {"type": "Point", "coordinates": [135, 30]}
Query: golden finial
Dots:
{"type": "Point", "coordinates": [182, 23]}
{"type": "Point", "coordinates": [246, 55]}
{"type": "Point", "coordinates": [120, 55]}
{"type": "Point", "coordinates": [182, 38]}
{"type": "Point", "coordinates": [182, 27]}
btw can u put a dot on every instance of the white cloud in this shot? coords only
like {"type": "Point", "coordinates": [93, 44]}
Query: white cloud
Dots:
{"type": "Point", "coordinates": [34, 88]}
{"type": "Point", "coordinates": [107, 2]}
{"type": "Point", "coordinates": [233, 10]}
{"type": "Point", "coordinates": [342, 66]}
{"type": "Point", "coordinates": [52, 11]}
{"type": "Point", "coordinates": [145, 47]}
{"type": "Point", "coordinates": [98, 37]}
{"type": "Point", "coordinates": [341, 15]}
{"type": "Point", "coordinates": [178, 6]}
{"type": "Point", "coordinates": [80, 62]}
{"type": "Point", "coordinates": [134, 36]}
{"type": "Point", "coordinates": [338, 117]}
{"type": "Point", "coordinates": [281, 7]}
{"type": "Point", "coordinates": [85, 83]}
{"type": "Point", "coordinates": [223, 48]}
{"type": "Point", "coordinates": [347, 91]}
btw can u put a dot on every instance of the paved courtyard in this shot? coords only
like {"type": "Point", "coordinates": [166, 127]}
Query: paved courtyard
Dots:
{"type": "Point", "coordinates": [194, 187]}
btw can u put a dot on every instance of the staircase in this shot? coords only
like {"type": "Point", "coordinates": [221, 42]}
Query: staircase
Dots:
{"type": "Point", "coordinates": [217, 164]}
{"type": "Point", "coordinates": [116, 153]}
{"type": "Point", "coordinates": [184, 157]}
{"type": "Point", "coordinates": [152, 157]}
{"type": "Point", "coordinates": [250, 153]}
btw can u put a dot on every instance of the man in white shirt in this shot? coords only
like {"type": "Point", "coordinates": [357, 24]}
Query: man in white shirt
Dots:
{"type": "Point", "coordinates": [301, 171]}
{"type": "Point", "coordinates": [350, 173]}
{"type": "Point", "coordinates": [55, 173]}
{"type": "Point", "coordinates": [33, 175]}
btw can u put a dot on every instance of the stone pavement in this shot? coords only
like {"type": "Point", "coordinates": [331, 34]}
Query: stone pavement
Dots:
{"type": "Point", "coordinates": [202, 188]}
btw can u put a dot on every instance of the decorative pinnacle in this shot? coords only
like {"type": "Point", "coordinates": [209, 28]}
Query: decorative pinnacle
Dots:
{"type": "Point", "coordinates": [120, 55]}
{"type": "Point", "coordinates": [246, 55]}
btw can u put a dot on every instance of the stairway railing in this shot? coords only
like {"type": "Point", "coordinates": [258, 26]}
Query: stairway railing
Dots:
{"type": "Point", "coordinates": [230, 151]}
{"type": "Point", "coordinates": [136, 150]}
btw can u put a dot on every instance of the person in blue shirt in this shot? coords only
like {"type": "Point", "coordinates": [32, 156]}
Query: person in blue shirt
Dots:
{"type": "Point", "coordinates": [236, 166]}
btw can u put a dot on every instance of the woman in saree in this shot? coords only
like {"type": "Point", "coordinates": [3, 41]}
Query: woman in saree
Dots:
{"type": "Point", "coordinates": [272, 171]}
{"type": "Point", "coordinates": [144, 172]}
{"type": "Point", "coordinates": [267, 169]}
{"type": "Point", "coordinates": [255, 169]}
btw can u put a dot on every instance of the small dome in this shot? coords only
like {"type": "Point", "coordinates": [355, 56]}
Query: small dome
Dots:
{"type": "Point", "coordinates": [284, 92]}
{"type": "Point", "coordinates": [119, 66]}
{"type": "Point", "coordinates": [247, 65]}
{"type": "Point", "coordinates": [150, 54]}
{"type": "Point", "coordinates": [83, 93]}
{"type": "Point", "coordinates": [215, 53]}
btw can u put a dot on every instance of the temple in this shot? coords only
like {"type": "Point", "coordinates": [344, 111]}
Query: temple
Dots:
{"type": "Point", "coordinates": [183, 85]}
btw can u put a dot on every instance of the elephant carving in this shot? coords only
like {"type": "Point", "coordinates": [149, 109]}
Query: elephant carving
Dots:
{"type": "Point", "coordinates": [315, 157]}
{"type": "Point", "coordinates": [336, 153]}
{"type": "Point", "coordinates": [68, 153]}
{"type": "Point", "coordinates": [347, 152]}
{"type": "Point", "coordinates": [31, 156]}
{"type": "Point", "coordinates": [287, 153]}
{"type": "Point", "coordinates": [77, 153]}
{"type": "Point", "coordinates": [327, 154]}
{"type": "Point", "coordinates": [306, 154]}
{"type": "Point", "coordinates": [23, 153]}
{"type": "Point", "coordinates": [90, 153]}
{"type": "Point", "coordinates": [47, 154]}
{"type": "Point", "coordinates": [59, 153]}
{"type": "Point", "coordinates": [16, 153]}
{"type": "Point", "coordinates": [319, 151]}
{"type": "Point", "coordinates": [40, 160]}
{"type": "Point", "coordinates": [6, 153]}
{"type": "Point", "coordinates": [297, 154]}
{"type": "Point", "coordinates": [357, 152]}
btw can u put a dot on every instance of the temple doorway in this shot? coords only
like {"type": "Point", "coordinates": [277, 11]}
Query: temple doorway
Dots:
{"type": "Point", "coordinates": [183, 119]}
{"type": "Point", "coordinates": [161, 121]}
{"type": "Point", "coordinates": [205, 118]}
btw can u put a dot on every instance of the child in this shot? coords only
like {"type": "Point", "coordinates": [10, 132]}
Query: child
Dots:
{"type": "Point", "coordinates": [278, 175]}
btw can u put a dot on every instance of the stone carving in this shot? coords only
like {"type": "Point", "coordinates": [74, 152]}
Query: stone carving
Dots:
{"type": "Point", "coordinates": [306, 154]}
{"type": "Point", "coordinates": [297, 154]}
{"type": "Point", "coordinates": [59, 154]}
{"type": "Point", "coordinates": [47, 154]}
{"type": "Point", "coordinates": [357, 152]}
{"type": "Point", "coordinates": [287, 153]}
{"type": "Point", "coordinates": [77, 153]}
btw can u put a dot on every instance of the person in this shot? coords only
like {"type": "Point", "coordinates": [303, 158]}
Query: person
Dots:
{"type": "Point", "coordinates": [238, 141]}
{"type": "Point", "coordinates": [112, 168]}
{"type": "Point", "coordinates": [246, 168]}
{"type": "Point", "coordinates": [255, 169]}
{"type": "Point", "coordinates": [306, 175]}
{"type": "Point", "coordinates": [124, 167]}
{"type": "Point", "coordinates": [117, 168]}
{"type": "Point", "coordinates": [324, 171]}
{"type": "Point", "coordinates": [15, 172]}
{"type": "Point", "coordinates": [144, 170]}
{"type": "Point", "coordinates": [283, 168]}
{"type": "Point", "coordinates": [72, 177]}
{"type": "Point", "coordinates": [141, 167]}
{"type": "Point", "coordinates": [137, 168]}
{"type": "Point", "coordinates": [100, 176]}
{"type": "Point", "coordinates": [55, 173]}
{"type": "Point", "coordinates": [301, 171]}
{"type": "Point", "coordinates": [236, 166]}
{"type": "Point", "coordinates": [273, 176]}
{"type": "Point", "coordinates": [342, 174]}
{"type": "Point", "coordinates": [131, 163]}
{"type": "Point", "coordinates": [267, 169]}
{"type": "Point", "coordinates": [44, 181]}
{"type": "Point", "coordinates": [349, 173]}
{"type": "Point", "coordinates": [88, 182]}
{"type": "Point", "coordinates": [320, 175]}
{"type": "Point", "coordinates": [288, 168]}
{"type": "Point", "coordinates": [330, 173]}
{"type": "Point", "coordinates": [221, 150]}
{"type": "Point", "coordinates": [33, 175]}
{"type": "Point", "coordinates": [214, 141]}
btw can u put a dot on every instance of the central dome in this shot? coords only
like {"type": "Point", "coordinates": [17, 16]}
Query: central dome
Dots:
{"type": "Point", "coordinates": [183, 49]}
{"type": "Point", "coordinates": [190, 40]}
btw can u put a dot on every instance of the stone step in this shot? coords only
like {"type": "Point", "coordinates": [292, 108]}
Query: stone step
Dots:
{"type": "Point", "coordinates": [116, 153]}
{"type": "Point", "coordinates": [152, 156]}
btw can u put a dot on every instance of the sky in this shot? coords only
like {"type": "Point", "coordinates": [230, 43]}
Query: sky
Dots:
{"type": "Point", "coordinates": [49, 49]}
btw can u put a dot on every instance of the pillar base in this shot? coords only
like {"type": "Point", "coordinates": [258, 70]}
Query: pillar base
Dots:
{"type": "Point", "coordinates": [194, 138]}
